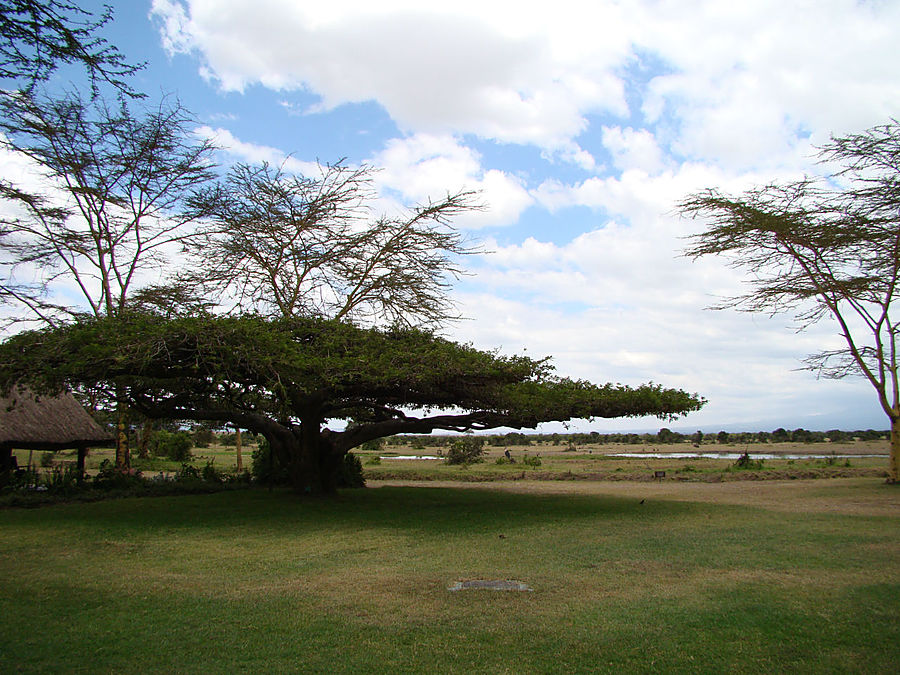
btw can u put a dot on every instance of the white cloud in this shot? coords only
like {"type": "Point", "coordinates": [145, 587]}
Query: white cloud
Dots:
{"type": "Point", "coordinates": [253, 153]}
{"type": "Point", "coordinates": [426, 166]}
{"type": "Point", "coordinates": [633, 149]}
{"type": "Point", "coordinates": [742, 82]}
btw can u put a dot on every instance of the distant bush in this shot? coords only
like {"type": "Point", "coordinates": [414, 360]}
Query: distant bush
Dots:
{"type": "Point", "coordinates": [466, 450]}
{"type": "Point", "coordinates": [203, 437]}
{"type": "Point", "coordinates": [747, 462]}
{"type": "Point", "coordinates": [172, 445]}
{"type": "Point", "coordinates": [375, 445]}
{"type": "Point", "coordinates": [531, 461]}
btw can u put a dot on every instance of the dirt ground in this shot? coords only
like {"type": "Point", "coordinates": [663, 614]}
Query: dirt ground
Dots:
{"type": "Point", "coordinates": [851, 496]}
{"type": "Point", "coordinates": [882, 447]}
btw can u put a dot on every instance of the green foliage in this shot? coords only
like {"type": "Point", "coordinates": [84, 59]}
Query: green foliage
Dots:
{"type": "Point", "coordinates": [531, 460]}
{"type": "Point", "coordinates": [203, 437]}
{"type": "Point", "coordinates": [746, 462]}
{"type": "Point", "coordinates": [263, 371]}
{"type": "Point", "coordinates": [351, 474]}
{"type": "Point", "coordinates": [375, 445]}
{"type": "Point", "coordinates": [466, 450]}
{"type": "Point", "coordinates": [264, 468]}
{"type": "Point", "coordinates": [62, 479]}
{"type": "Point", "coordinates": [111, 478]}
{"type": "Point", "coordinates": [172, 445]}
{"type": "Point", "coordinates": [374, 460]}
{"type": "Point", "coordinates": [211, 474]}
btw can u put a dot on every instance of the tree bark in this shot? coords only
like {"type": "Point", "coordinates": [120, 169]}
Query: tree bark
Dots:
{"type": "Point", "coordinates": [144, 441]}
{"type": "Point", "coordinates": [122, 459]}
{"type": "Point", "coordinates": [894, 462]}
{"type": "Point", "coordinates": [237, 450]}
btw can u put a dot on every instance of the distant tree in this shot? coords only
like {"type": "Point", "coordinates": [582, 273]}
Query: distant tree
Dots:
{"type": "Point", "coordinates": [722, 437]}
{"type": "Point", "coordinates": [203, 436]}
{"type": "Point", "coordinates": [800, 436]}
{"type": "Point", "coordinates": [697, 437]}
{"type": "Point", "coordinates": [285, 378]}
{"type": "Point", "coordinates": [780, 435]}
{"type": "Point", "coordinates": [824, 248]}
{"type": "Point", "coordinates": [667, 436]}
{"type": "Point", "coordinates": [37, 36]}
{"type": "Point", "coordinates": [286, 245]}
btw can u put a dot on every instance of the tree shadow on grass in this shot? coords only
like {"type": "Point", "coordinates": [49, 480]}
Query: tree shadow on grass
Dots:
{"type": "Point", "coordinates": [437, 510]}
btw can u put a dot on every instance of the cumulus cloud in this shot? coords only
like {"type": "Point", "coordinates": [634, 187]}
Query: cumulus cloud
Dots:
{"type": "Point", "coordinates": [741, 85]}
{"type": "Point", "coordinates": [426, 166]}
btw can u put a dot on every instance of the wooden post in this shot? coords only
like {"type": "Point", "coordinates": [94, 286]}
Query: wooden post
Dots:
{"type": "Point", "coordinates": [82, 453]}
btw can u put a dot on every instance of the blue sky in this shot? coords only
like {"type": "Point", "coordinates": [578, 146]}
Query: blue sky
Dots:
{"type": "Point", "coordinates": [582, 124]}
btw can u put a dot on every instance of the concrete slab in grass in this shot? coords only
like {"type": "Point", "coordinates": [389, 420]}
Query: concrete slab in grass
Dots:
{"type": "Point", "coordinates": [490, 585]}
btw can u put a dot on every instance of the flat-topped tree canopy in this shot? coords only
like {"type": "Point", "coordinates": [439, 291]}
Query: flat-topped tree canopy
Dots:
{"type": "Point", "coordinates": [286, 378]}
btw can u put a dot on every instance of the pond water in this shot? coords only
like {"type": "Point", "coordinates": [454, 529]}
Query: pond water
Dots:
{"type": "Point", "coordinates": [728, 455]}
{"type": "Point", "coordinates": [411, 457]}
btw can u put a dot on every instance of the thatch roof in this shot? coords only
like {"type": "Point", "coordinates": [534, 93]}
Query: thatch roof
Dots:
{"type": "Point", "coordinates": [46, 423]}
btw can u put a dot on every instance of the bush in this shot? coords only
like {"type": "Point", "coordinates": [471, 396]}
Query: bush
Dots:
{"type": "Point", "coordinates": [47, 459]}
{"type": "Point", "coordinates": [375, 445]}
{"type": "Point", "coordinates": [203, 437]}
{"type": "Point", "coordinates": [111, 478]}
{"type": "Point", "coordinates": [373, 461]}
{"type": "Point", "coordinates": [466, 450]}
{"type": "Point", "coordinates": [173, 445]}
{"type": "Point", "coordinates": [265, 468]}
{"type": "Point", "coordinates": [531, 461]}
{"type": "Point", "coordinates": [351, 474]}
{"type": "Point", "coordinates": [746, 462]}
{"type": "Point", "coordinates": [211, 474]}
{"type": "Point", "coordinates": [62, 479]}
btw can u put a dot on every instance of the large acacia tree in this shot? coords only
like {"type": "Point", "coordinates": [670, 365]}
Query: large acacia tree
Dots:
{"type": "Point", "coordinates": [106, 207]}
{"type": "Point", "coordinates": [824, 249]}
{"type": "Point", "coordinates": [290, 378]}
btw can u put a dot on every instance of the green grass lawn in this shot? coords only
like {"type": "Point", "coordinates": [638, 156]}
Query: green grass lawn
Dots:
{"type": "Point", "coordinates": [254, 581]}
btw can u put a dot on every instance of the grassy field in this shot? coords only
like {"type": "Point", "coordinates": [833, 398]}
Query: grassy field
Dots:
{"type": "Point", "coordinates": [693, 577]}
{"type": "Point", "coordinates": [588, 462]}
{"type": "Point", "coordinates": [598, 462]}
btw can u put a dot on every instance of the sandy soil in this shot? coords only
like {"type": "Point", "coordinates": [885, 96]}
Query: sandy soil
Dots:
{"type": "Point", "coordinates": [851, 496]}
{"type": "Point", "coordinates": [882, 447]}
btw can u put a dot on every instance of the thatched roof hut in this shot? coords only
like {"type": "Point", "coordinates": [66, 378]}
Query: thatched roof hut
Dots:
{"type": "Point", "coordinates": [28, 422]}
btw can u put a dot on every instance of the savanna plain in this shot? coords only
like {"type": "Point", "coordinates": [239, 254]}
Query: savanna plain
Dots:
{"type": "Point", "coordinates": [702, 571]}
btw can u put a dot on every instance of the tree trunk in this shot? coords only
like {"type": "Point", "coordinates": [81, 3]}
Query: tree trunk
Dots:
{"type": "Point", "coordinates": [894, 462]}
{"type": "Point", "coordinates": [122, 458]}
{"type": "Point", "coordinates": [313, 465]}
{"type": "Point", "coordinates": [237, 449]}
{"type": "Point", "coordinates": [144, 442]}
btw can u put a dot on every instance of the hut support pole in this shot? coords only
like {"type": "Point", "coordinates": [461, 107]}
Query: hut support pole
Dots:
{"type": "Point", "coordinates": [82, 453]}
